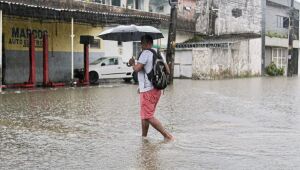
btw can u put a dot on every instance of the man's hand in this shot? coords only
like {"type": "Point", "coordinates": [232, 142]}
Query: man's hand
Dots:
{"type": "Point", "coordinates": [131, 62]}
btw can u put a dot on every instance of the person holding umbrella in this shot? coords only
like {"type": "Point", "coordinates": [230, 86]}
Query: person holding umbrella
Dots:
{"type": "Point", "coordinates": [149, 96]}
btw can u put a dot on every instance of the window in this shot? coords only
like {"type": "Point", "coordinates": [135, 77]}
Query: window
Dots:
{"type": "Point", "coordinates": [113, 61]}
{"type": "Point", "coordinates": [105, 63]}
{"type": "Point", "coordinates": [116, 2]}
{"type": "Point", "coordinates": [110, 61]}
{"type": "Point", "coordinates": [279, 57]}
{"type": "Point", "coordinates": [100, 1]}
{"type": "Point", "coordinates": [136, 4]}
{"type": "Point", "coordinates": [96, 44]}
{"type": "Point", "coordinates": [120, 44]}
{"type": "Point", "coordinates": [160, 8]}
{"type": "Point", "coordinates": [236, 12]}
{"type": "Point", "coordinates": [98, 61]}
{"type": "Point", "coordinates": [282, 22]}
{"type": "Point", "coordinates": [130, 4]}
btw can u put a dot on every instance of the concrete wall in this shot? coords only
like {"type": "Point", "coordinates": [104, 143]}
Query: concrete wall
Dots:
{"type": "Point", "coordinates": [282, 2]}
{"type": "Point", "coordinates": [277, 42]}
{"type": "Point", "coordinates": [186, 8]}
{"type": "Point", "coordinates": [268, 56]}
{"type": "Point", "coordinates": [17, 66]}
{"type": "Point", "coordinates": [180, 37]}
{"type": "Point", "coordinates": [0, 74]}
{"type": "Point", "coordinates": [125, 51]}
{"type": "Point", "coordinates": [222, 19]}
{"type": "Point", "coordinates": [286, 3]}
{"type": "Point", "coordinates": [242, 59]}
{"type": "Point", "coordinates": [298, 63]}
{"type": "Point", "coordinates": [255, 56]}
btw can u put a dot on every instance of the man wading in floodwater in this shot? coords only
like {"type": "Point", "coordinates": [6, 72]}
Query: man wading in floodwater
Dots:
{"type": "Point", "coordinates": [149, 95]}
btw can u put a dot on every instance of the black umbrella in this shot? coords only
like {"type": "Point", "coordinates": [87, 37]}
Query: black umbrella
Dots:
{"type": "Point", "coordinates": [126, 33]}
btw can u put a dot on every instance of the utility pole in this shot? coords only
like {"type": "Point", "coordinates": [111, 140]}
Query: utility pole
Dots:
{"type": "Point", "coordinates": [263, 37]}
{"type": "Point", "coordinates": [172, 38]}
{"type": "Point", "coordinates": [213, 17]}
{"type": "Point", "coordinates": [208, 16]}
{"type": "Point", "coordinates": [290, 68]}
{"type": "Point", "coordinates": [298, 72]}
{"type": "Point", "coordinates": [1, 50]}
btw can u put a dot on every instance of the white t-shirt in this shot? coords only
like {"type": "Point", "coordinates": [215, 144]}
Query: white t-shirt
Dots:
{"type": "Point", "coordinates": [146, 58]}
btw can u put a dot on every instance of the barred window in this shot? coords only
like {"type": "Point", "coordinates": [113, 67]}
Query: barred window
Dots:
{"type": "Point", "coordinates": [282, 22]}
{"type": "Point", "coordinates": [279, 57]}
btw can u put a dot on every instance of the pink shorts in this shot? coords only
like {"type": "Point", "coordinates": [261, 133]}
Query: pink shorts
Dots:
{"type": "Point", "coordinates": [148, 102]}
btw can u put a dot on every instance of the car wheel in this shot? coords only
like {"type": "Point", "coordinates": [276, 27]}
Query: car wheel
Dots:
{"type": "Point", "coordinates": [127, 80]}
{"type": "Point", "coordinates": [135, 77]}
{"type": "Point", "coordinates": [94, 77]}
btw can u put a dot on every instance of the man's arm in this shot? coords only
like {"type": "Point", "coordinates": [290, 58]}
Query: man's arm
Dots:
{"type": "Point", "coordinates": [166, 64]}
{"type": "Point", "coordinates": [167, 69]}
{"type": "Point", "coordinates": [138, 67]}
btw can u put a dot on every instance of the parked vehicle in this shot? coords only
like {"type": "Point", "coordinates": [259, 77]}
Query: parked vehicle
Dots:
{"type": "Point", "coordinates": [106, 68]}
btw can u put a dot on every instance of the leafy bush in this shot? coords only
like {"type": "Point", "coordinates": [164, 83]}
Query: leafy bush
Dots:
{"type": "Point", "coordinates": [273, 70]}
{"type": "Point", "coordinates": [280, 71]}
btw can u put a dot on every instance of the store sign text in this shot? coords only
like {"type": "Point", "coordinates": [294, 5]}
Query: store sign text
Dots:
{"type": "Point", "coordinates": [20, 36]}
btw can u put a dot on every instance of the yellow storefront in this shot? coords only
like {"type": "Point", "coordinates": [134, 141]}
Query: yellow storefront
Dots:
{"type": "Point", "coordinates": [16, 41]}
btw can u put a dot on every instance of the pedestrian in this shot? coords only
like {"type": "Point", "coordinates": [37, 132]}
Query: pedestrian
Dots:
{"type": "Point", "coordinates": [149, 96]}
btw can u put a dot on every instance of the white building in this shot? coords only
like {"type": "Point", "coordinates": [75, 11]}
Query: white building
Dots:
{"type": "Point", "coordinates": [277, 33]}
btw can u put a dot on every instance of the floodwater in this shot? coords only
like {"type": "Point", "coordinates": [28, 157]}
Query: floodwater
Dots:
{"type": "Point", "coordinates": [228, 124]}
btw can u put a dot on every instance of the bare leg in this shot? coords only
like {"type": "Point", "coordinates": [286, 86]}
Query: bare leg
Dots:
{"type": "Point", "coordinates": [158, 126]}
{"type": "Point", "coordinates": [145, 127]}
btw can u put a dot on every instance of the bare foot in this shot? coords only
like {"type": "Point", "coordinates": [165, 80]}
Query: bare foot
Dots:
{"type": "Point", "coordinates": [170, 138]}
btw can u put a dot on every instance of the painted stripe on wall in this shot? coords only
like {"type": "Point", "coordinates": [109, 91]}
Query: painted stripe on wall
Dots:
{"type": "Point", "coordinates": [17, 70]}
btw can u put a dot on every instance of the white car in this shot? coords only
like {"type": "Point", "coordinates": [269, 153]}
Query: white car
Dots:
{"type": "Point", "coordinates": [107, 68]}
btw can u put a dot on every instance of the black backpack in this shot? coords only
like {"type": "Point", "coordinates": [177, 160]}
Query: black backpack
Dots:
{"type": "Point", "coordinates": [158, 74]}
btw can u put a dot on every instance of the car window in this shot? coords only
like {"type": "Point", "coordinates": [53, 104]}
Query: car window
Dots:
{"type": "Point", "coordinates": [113, 61]}
{"type": "Point", "coordinates": [105, 62]}
{"type": "Point", "coordinates": [98, 61]}
{"type": "Point", "coordinates": [110, 61]}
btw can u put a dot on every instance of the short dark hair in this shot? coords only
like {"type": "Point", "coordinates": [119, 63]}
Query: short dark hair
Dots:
{"type": "Point", "coordinates": [147, 39]}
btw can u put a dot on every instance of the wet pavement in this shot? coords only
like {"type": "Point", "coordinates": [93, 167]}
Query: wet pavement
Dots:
{"type": "Point", "coordinates": [228, 124]}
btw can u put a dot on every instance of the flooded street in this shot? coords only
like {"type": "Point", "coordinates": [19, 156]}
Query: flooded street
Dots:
{"type": "Point", "coordinates": [228, 124]}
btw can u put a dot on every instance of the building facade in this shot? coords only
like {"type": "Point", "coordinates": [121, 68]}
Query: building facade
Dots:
{"type": "Point", "coordinates": [277, 34]}
{"type": "Point", "coordinates": [21, 17]}
{"type": "Point", "coordinates": [256, 34]}
{"type": "Point", "coordinates": [221, 17]}
{"type": "Point", "coordinates": [228, 42]}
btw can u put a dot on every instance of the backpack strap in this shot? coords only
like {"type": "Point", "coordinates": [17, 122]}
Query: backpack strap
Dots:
{"type": "Point", "coordinates": [150, 75]}
{"type": "Point", "coordinates": [155, 56]}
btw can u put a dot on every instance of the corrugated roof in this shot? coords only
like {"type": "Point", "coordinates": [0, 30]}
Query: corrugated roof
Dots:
{"type": "Point", "coordinates": [93, 13]}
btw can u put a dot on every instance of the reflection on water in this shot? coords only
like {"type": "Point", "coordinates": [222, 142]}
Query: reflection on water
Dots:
{"type": "Point", "coordinates": [228, 124]}
{"type": "Point", "coordinates": [149, 157]}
